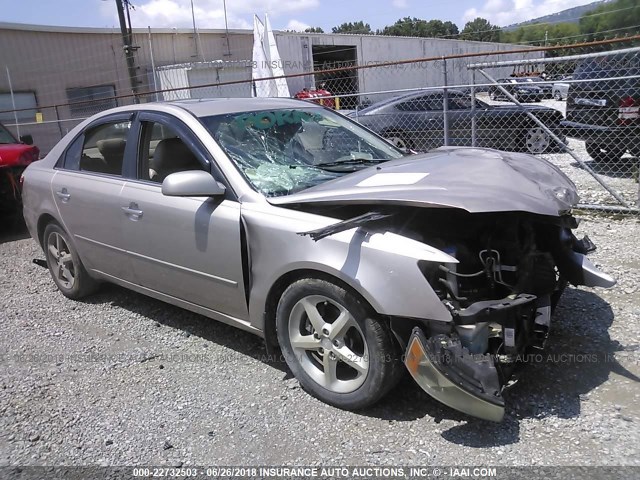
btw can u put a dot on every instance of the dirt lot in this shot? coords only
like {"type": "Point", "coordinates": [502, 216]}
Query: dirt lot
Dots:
{"type": "Point", "coordinates": [121, 379]}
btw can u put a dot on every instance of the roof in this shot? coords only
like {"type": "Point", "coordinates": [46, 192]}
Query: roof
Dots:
{"type": "Point", "coordinates": [216, 106]}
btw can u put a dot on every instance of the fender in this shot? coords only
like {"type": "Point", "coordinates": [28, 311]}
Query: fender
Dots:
{"type": "Point", "coordinates": [382, 267]}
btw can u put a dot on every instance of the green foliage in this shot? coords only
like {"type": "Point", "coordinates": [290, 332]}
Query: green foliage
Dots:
{"type": "Point", "coordinates": [543, 34]}
{"type": "Point", "coordinates": [618, 18]}
{"type": "Point", "coordinates": [480, 30]}
{"type": "Point", "coordinates": [416, 27]}
{"type": "Point", "coordinates": [314, 30]}
{"type": "Point", "coordinates": [614, 19]}
{"type": "Point", "coordinates": [355, 27]}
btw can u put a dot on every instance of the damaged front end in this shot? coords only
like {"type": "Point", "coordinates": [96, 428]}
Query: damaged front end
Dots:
{"type": "Point", "coordinates": [504, 221]}
{"type": "Point", "coordinates": [510, 271]}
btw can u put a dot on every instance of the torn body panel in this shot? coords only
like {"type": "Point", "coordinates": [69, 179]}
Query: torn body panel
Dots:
{"type": "Point", "coordinates": [382, 267]}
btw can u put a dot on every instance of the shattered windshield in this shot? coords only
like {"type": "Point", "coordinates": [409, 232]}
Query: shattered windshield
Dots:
{"type": "Point", "coordinates": [287, 150]}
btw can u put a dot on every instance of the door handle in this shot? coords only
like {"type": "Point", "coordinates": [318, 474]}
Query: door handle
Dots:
{"type": "Point", "coordinates": [133, 211]}
{"type": "Point", "coordinates": [63, 195]}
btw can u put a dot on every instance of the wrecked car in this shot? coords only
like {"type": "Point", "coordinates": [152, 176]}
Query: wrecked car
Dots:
{"type": "Point", "coordinates": [294, 223]}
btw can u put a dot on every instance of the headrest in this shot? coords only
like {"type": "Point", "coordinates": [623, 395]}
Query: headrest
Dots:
{"type": "Point", "coordinates": [173, 152]}
{"type": "Point", "coordinates": [111, 146]}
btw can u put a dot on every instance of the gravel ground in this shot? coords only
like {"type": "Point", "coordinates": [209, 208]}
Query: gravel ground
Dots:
{"type": "Point", "coordinates": [121, 379]}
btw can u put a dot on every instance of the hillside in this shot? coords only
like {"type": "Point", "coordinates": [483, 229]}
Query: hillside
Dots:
{"type": "Point", "coordinates": [571, 15]}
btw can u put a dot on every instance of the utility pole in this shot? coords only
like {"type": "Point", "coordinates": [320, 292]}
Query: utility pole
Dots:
{"type": "Point", "coordinates": [129, 49]}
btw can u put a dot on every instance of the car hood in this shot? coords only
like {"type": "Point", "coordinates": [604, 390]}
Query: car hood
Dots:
{"type": "Point", "coordinates": [473, 179]}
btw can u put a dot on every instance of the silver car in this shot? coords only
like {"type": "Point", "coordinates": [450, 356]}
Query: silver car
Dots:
{"type": "Point", "coordinates": [294, 223]}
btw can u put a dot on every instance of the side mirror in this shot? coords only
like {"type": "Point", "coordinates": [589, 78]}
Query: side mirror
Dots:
{"type": "Point", "coordinates": [26, 139]}
{"type": "Point", "coordinates": [192, 183]}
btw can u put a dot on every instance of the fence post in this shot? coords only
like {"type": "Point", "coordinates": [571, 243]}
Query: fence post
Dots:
{"type": "Point", "coordinates": [153, 65]}
{"type": "Point", "coordinates": [445, 103]}
{"type": "Point", "coordinates": [473, 108]}
{"type": "Point", "coordinates": [62, 134]}
{"type": "Point", "coordinates": [13, 101]}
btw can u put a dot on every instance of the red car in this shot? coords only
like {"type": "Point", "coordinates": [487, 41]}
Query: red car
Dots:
{"type": "Point", "coordinates": [14, 157]}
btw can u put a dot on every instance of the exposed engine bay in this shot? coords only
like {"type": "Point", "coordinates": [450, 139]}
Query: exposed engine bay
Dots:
{"type": "Point", "coordinates": [511, 270]}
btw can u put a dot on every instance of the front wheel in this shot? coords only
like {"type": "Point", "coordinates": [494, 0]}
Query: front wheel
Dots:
{"type": "Point", "coordinates": [64, 264]}
{"type": "Point", "coordinates": [335, 345]}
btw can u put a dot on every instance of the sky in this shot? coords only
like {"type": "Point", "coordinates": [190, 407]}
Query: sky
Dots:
{"type": "Point", "coordinates": [284, 14]}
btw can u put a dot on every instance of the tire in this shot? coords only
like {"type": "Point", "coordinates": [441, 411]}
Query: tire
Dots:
{"type": "Point", "coordinates": [536, 140]}
{"type": "Point", "coordinates": [603, 153]}
{"type": "Point", "coordinates": [351, 366]}
{"type": "Point", "coordinates": [65, 265]}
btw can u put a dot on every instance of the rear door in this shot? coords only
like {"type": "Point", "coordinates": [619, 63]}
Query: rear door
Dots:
{"type": "Point", "coordinates": [185, 247]}
{"type": "Point", "coordinates": [87, 187]}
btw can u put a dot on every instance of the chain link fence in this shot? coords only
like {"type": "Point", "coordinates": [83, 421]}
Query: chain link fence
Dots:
{"type": "Point", "coordinates": [577, 108]}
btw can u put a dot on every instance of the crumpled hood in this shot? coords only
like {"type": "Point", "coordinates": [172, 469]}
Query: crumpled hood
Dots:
{"type": "Point", "coordinates": [473, 179]}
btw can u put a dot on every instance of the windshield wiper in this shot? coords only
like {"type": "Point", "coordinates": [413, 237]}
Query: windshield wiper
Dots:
{"type": "Point", "coordinates": [351, 161]}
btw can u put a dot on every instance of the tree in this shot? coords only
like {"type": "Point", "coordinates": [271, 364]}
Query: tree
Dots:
{"type": "Point", "coordinates": [416, 27]}
{"type": "Point", "coordinates": [314, 30]}
{"type": "Point", "coordinates": [480, 30]}
{"type": "Point", "coordinates": [355, 27]}
{"type": "Point", "coordinates": [543, 34]}
{"type": "Point", "coordinates": [611, 19]}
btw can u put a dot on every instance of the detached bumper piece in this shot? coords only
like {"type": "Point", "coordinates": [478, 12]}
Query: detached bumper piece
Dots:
{"type": "Point", "coordinates": [450, 374]}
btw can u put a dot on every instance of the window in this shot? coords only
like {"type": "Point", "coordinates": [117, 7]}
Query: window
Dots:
{"type": "Point", "coordinates": [96, 99]}
{"type": "Point", "coordinates": [5, 135]}
{"type": "Point", "coordinates": [162, 152]}
{"type": "Point", "coordinates": [22, 100]}
{"type": "Point", "coordinates": [72, 156]}
{"type": "Point", "coordinates": [421, 104]}
{"type": "Point", "coordinates": [103, 148]}
{"type": "Point", "coordinates": [459, 102]}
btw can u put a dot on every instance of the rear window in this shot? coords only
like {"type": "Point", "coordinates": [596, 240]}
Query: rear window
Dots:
{"type": "Point", "coordinates": [610, 66]}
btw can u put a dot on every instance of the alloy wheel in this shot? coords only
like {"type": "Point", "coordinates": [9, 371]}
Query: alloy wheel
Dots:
{"type": "Point", "coordinates": [328, 343]}
{"type": "Point", "coordinates": [537, 140]}
{"type": "Point", "coordinates": [61, 260]}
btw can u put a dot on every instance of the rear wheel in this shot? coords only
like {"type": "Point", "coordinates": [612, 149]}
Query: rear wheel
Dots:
{"type": "Point", "coordinates": [335, 345]}
{"type": "Point", "coordinates": [604, 153]}
{"type": "Point", "coordinates": [65, 266]}
{"type": "Point", "coordinates": [536, 140]}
